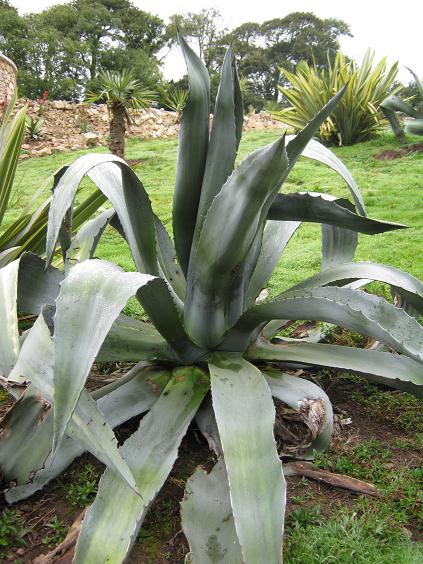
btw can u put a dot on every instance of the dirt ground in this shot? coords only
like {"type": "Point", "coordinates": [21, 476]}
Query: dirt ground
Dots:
{"type": "Point", "coordinates": [161, 539]}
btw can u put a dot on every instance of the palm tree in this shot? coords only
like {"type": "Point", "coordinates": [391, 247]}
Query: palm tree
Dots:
{"type": "Point", "coordinates": [121, 92]}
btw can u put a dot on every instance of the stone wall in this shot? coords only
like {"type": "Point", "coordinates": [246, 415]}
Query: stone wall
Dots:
{"type": "Point", "coordinates": [68, 126]}
{"type": "Point", "coordinates": [7, 78]}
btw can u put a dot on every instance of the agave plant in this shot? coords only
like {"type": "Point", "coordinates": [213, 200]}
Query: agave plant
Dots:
{"type": "Point", "coordinates": [209, 352]}
{"type": "Point", "coordinates": [357, 117]}
{"type": "Point", "coordinates": [391, 105]}
{"type": "Point", "coordinates": [28, 231]}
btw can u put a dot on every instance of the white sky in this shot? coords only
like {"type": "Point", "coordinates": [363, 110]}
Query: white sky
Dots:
{"type": "Point", "coordinates": [391, 29]}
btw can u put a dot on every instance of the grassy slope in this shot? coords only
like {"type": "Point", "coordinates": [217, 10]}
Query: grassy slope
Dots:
{"type": "Point", "coordinates": [392, 190]}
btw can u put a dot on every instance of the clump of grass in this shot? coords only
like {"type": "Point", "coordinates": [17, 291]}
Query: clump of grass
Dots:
{"type": "Point", "coordinates": [348, 537]}
{"type": "Point", "coordinates": [402, 408]}
{"type": "Point", "coordinates": [83, 488]}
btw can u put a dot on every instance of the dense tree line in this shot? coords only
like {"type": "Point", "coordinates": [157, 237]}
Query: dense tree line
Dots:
{"type": "Point", "coordinates": [63, 48]}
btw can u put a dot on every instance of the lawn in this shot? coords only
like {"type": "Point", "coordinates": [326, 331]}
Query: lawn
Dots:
{"type": "Point", "coordinates": [379, 432]}
{"type": "Point", "coordinates": [392, 191]}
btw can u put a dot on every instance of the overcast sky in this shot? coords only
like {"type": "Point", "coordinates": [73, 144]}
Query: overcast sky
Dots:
{"type": "Point", "coordinates": [391, 29]}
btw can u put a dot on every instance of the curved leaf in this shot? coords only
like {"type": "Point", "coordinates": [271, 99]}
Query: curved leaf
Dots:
{"type": "Point", "coordinates": [91, 298]}
{"type": "Point", "coordinates": [166, 255]}
{"type": "Point", "coordinates": [245, 416]}
{"type": "Point", "coordinates": [85, 242]}
{"type": "Point", "coordinates": [352, 309]}
{"type": "Point", "coordinates": [395, 371]}
{"type": "Point", "coordinates": [318, 152]}
{"type": "Point", "coordinates": [111, 524]}
{"type": "Point", "coordinates": [411, 287]}
{"type": "Point", "coordinates": [128, 197]}
{"type": "Point", "coordinates": [322, 208]}
{"type": "Point", "coordinates": [310, 401]}
{"type": "Point", "coordinates": [193, 143]}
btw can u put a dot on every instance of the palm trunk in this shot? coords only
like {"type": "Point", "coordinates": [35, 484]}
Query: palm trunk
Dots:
{"type": "Point", "coordinates": [117, 130]}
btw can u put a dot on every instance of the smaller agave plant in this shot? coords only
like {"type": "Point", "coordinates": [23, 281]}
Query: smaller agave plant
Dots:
{"type": "Point", "coordinates": [391, 105]}
{"type": "Point", "coordinates": [209, 353]}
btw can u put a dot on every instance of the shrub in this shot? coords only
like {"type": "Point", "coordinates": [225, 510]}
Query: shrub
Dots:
{"type": "Point", "coordinates": [28, 231]}
{"type": "Point", "coordinates": [357, 116]}
{"type": "Point", "coordinates": [210, 351]}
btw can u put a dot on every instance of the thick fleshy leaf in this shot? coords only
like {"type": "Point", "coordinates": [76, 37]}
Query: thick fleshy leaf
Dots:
{"type": "Point", "coordinates": [10, 145]}
{"type": "Point", "coordinates": [161, 309]}
{"type": "Point", "coordinates": [411, 288]}
{"type": "Point", "coordinates": [87, 425]}
{"type": "Point", "coordinates": [129, 396]}
{"type": "Point", "coordinates": [207, 518]}
{"type": "Point", "coordinates": [276, 236]}
{"type": "Point", "coordinates": [395, 371]}
{"type": "Point", "coordinates": [38, 285]}
{"type": "Point", "coordinates": [237, 214]}
{"type": "Point", "coordinates": [121, 186]}
{"type": "Point", "coordinates": [223, 143]}
{"type": "Point", "coordinates": [323, 208]}
{"type": "Point", "coordinates": [318, 152]}
{"type": "Point", "coordinates": [133, 340]}
{"type": "Point", "coordinates": [310, 401]}
{"type": "Point", "coordinates": [8, 255]}
{"type": "Point", "coordinates": [353, 309]}
{"type": "Point", "coordinates": [389, 108]}
{"type": "Point", "coordinates": [193, 143]}
{"type": "Point", "coordinates": [9, 334]}
{"type": "Point", "coordinates": [84, 244]}
{"type": "Point", "coordinates": [168, 263]}
{"type": "Point", "coordinates": [91, 298]}
{"type": "Point", "coordinates": [338, 245]}
{"type": "Point", "coordinates": [111, 524]}
{"type": "Point", "coordinates": [245, 416]}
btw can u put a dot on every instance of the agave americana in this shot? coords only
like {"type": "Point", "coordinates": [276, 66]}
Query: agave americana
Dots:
{"type": "Point", "coordinates": [209, 352]}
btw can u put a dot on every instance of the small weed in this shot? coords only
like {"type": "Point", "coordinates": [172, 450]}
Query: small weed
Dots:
{"type": "Point", "coordinates": [303, 517]}
{"type": "Point", "coordinates": [12, 529]}
{"type": "Point", "coordinates": [301, 498]}
{"type": "Point", "coordinates": [83, 488]}
{"type": "Point", "coordinates": [4, 396]}
{"type": "Point", "coordinates": [57, 533]}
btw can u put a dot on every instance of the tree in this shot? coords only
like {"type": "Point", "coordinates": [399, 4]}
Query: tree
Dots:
{"type": "Point", "coordinates": [121, 92]}
{"type": "Point", "coordinates": [63, 48]}
{"type": "Point", "coordinates": [283, 42]}
{"type": "Point", "coordinates": [205, 29]}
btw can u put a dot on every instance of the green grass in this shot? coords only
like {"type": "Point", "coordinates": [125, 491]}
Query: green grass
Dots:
{"type": "Point", "coordinates": [347, 537]}
{"type": "Point", "coordinates": [392, 190]}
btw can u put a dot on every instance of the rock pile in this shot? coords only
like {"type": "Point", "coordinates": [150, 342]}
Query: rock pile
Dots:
{"type": "Point", "coordinates": [68, 126]}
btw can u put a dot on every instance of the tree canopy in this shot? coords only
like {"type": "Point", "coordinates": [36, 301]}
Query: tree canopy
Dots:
{"type": "Point", "coordinates": [63, 48]}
